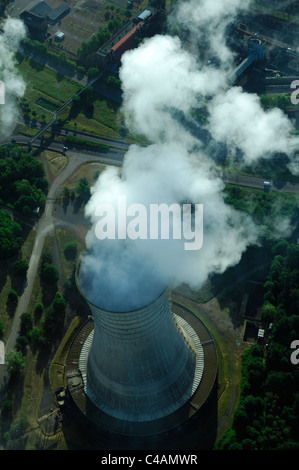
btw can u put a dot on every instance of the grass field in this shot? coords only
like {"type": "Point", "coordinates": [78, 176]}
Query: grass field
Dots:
{"type": "Point", "coordinates": [44, 85]}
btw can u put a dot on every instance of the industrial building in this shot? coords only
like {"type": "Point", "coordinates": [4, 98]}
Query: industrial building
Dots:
{"type": "Point", "coordinates": [144, 24]}
{"type": "Point", "coordinates": [51, 15]}
{"type": "Point", "coordinates": [266, 46]}
{"type": "Point", "coordinates": [141, 373]}
{"type": "Point", "coordinates": [253, 49]}
{"type": "Point", "coordinates": [36, 24]}
{"type": "Point", "coordinates": [41, 15]}
{"type": "Point", "coordinates": [126, 43]}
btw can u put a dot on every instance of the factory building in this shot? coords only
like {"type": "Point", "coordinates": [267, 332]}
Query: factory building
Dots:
{"type": "Point", "coordinates": [41, 15]}
{"type": "Point", "coordinates": [51, 15]}
{"type": "Point", "coordinates": [36, 24]}
{"type": "Point", "coordinates": [126, 43]}
{"type": "Point", "coordinates": [144, 24]}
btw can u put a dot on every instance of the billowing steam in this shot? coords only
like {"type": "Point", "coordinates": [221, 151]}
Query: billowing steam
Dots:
{"type": "Point", "coordinates": [206, 21]}
{"type": "Point", "coordinates": [258, 134]}
{"type": "Point", "coordinates": [162, 85]}
{"type": "Point", "coordinates": [133, 272]}
{"type": "Point", "coordinates": [13, 32]}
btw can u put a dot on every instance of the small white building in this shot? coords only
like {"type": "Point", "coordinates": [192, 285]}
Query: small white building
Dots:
{"type": "Point", "coordinates": [59, 36]}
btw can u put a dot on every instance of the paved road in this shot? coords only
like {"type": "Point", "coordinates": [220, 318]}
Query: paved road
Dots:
{"type": "Point", "coordinates": [113, 157]}
{"type": "Point", "coordinates": [117, 159]}
{"type": "Point", "coordinates": [258, 183]}
{"type": "Point", "coordinates": [23, 139]}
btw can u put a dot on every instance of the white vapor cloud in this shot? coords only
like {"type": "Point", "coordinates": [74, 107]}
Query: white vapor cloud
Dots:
{"type": "Point", "coordinates": [257, 133]}
{"type": "Point", "coordinates": [161, 173]}
{"type": "Point", "coordinates": [206, 21]}
{"type": "Point", "coordinates": [170, 80]}
{"type": "Point", "coordinates": [162, 83]}
{"type": "Point", "coordinates": [13, 32]}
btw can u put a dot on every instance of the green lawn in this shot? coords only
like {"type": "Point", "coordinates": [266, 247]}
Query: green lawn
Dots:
{"type": "Point", "coordinates": [45, 85]}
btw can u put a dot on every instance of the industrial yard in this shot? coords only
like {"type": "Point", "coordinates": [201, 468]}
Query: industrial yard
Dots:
{"type": "Point", "coordinates": [83, 19]}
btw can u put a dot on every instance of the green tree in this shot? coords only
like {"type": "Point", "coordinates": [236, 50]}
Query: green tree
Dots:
{"type": "Point", "coordinates": [268, 312]}
{"type": "Point", "coordinates": [21, 343]}
{"type": "Point", "coordinates": [70, 250]}
{"type": "Point", "coordinates": [83, 188]}
{"type": "Point", "coordinates": [36, 336]}
{"type": "Point", "coordinates": [92, 73]}
{"type": "Point", "coordinates": [6, 408]}
{"type": "Point", "coordinates": [240, 422]}
{"type": "Point", "coordinates": [280, 248]}
{"type": "Point", "coordinates": [26, 323]}
{"type": "Point", "coordinates": [20, 267]}
{"type": "Point", "coordinates": [59, 305]}
{"type": "Point", "coordinates": [12, 295]}
{"type": "Point", "coordinates": [49, 323]}
{"type": "Point", "coordinates": [293, 257]}
{"type": "Point", "coordinates": [15, 362]}
{"type": "Point", "coordinates": [10, 235]}
{"type": "Point", "coordinates": [38, 308]}
{"type": "Point", "coordinates": [50, 273]}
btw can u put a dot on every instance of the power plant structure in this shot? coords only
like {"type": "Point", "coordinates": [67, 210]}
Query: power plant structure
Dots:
{"type": "Point", "coordinates": [141, 373]}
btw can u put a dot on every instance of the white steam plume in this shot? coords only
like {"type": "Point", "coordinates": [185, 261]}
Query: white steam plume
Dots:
{"type": "Point", "coordinates": [133, 272]}
{"type": "Point", "coordinates": [257, 133]}
{"type": "Point", "coordinates": [165, 78]}
{"type": "Point", "coordinates": [162, 81]}
{"type": "Point", "coordinates": [206, 21]}
{"type": "Point", "coordinates": [13, 32]}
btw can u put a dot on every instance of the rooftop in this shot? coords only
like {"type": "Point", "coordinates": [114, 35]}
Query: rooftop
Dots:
{"type": "Point", "coordinates": [41, 9]}
{"type": "Point", "coordinates": [44, 10]}
{"type": "Point", "coordinates": [124, 38]}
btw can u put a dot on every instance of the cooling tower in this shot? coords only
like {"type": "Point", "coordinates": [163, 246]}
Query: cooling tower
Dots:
{"type": "Point", "coordinates": [140, 365]}
{"type": "Point", "coordinates": [148, 373]}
